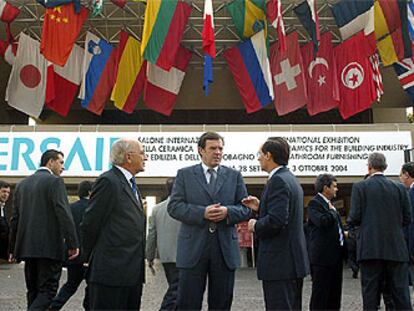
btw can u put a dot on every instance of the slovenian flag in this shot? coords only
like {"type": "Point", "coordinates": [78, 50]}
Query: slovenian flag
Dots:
{"type": "Point", "coordinates": [209, 46]}
{"type": "Point", "coordinates": [163, 29]}
{"type": "Point", "coordinates": [249, 64]}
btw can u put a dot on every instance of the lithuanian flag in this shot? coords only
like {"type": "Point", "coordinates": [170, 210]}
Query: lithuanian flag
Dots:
{"type": "Point", "coordinates": [164, 25]}
{"type": "Point", "coordinates": [249, 16]}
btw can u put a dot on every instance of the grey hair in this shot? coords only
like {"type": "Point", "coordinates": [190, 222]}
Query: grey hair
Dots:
{"type": "Point", "coordinates": [119, 150]}
{"type": "Point", "coordinates": [377, 161]}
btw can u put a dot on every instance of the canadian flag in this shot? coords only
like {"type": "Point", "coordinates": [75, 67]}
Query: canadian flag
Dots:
{"type": "Point", "coordinates": [8, 12]}
{"type": "Point", "coordinates": [64, 82]}
{"type": "Point", "coordinates": [27, 83]}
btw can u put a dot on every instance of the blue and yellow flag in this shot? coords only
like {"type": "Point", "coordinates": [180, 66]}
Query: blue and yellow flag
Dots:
{"type": "Point", "coordinates": [249, 16]}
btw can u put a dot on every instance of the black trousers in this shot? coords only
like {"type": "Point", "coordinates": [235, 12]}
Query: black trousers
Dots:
{"type": "Point", "coordinates": [395, 275]}
{"type": "Point", "coordinates": [76, 274]}
{"type": "Point", "coordinates": [192, 281]}
{"type": "Point", "coordinates": [283, 295]}
{"type": "Point", "coordinates": [102, 297]}
{"type": "Point", "coordinates": [326, 287]}
{"type": "Point", "coordinates": [169, 301]}
{"type": "Point", "coordinates": [42, 280]}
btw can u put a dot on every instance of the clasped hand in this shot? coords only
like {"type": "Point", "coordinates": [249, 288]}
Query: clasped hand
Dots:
{"type": "Point", "coordinates": [215, 212]}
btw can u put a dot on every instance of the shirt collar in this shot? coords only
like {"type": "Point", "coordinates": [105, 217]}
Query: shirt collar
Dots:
{"type": "Point", "coordinates": [412, 185]}
{"type": "Point", "coordinates": [206, 168]}
{"type": "Point", "coordinates": [377, 173]}
{"type": "Point", "coordinates": [125, 172]}
{"type": "Point", "coordinates": [45, 168]}
{"type": "Point", "coordinates": [274, 171]}
{"type": "Point", "coordinates": [324, 197]}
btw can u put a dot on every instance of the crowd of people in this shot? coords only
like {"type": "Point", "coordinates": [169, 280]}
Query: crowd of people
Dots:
{"type": "Point", "coordinates": [102, 237]}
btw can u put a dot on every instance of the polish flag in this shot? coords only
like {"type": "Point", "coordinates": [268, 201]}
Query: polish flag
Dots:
{"type": "Point", "coordinates": [8, 12]}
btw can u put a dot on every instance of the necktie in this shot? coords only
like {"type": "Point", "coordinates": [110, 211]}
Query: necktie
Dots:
{"type": "Point", "coordinates": [341, 236]}
{"type": "Point", "coordinates": [134, 187]}
{"type": "Point", "coordinates": [213, 180]}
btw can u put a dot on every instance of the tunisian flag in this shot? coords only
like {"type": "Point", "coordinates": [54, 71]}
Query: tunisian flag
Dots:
{"type": "Point", "coordinates": [26, 89]}
{"type": "Point", "coordinates": [355, 76]}
{"type": "Point", "coordinates": [61, 27]}
{"type": "Point", "coordinates": [320, 72]}
{"type": "Point", "coordinates": [288, 76]}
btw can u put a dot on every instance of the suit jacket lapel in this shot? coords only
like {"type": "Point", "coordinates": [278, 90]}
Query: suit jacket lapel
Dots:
{"type": "Point", "coordinates": [127, 188]}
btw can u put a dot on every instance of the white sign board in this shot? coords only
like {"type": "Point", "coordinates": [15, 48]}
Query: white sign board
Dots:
{"type": "Point", "coordinates": [312, 153]}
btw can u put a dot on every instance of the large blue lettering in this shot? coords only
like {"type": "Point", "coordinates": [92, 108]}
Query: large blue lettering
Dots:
{"type": "Point", "coordinates": [78, 149]}
{"type": "Point", "coordinates": [46, 142]}
{"type": "Point", "coordinates": [18, 141]}
{"type": "Point", "coordinates": [3, 140]}
{"type": "Point", "coordinates": [99, 154]}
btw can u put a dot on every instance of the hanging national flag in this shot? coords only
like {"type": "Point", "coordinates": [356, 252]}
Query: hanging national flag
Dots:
{"type": "Point", "coordinates": [66, 81]}
{"type": "Point", "coordinates": [162, 87]}
{"type": "Point", "coordinates": [8, 51]}
{"type": "Point", "coordinates": [61, 27]}
{"type": "Point", "coordinates": [163, 29]}
{"type": "Point", "coordinates": [352, 16]}
{"type": "Point", "coordinates": [209, 46]}
{"type": "Point", "coordinates": [288, 76]}
{"type": "Point", "coordinates": [249, 16]}
{"type": "Point", "coordinates": [54, 3]}
{"type": "Point", "coordinates": [131, 74]}
{"type": "Point", "coordinates": [376, 75]}
{"type": "Point", "coordinates": [26, 89]}
{"type": "Point", "coordinates": [308, 16]}
{"type": "Point", "coordinates": [405, 72]}
{"type": "Point", "coordinates": [410, 14]}
{"type": "Point", "coordinates": [119, 3]}
{"type": "Point", "coordinates": [391, 30]}
{"type": "Point", "coordinates": [274, 14]}
{"type": "Point", "coordinates": [249, 64]}
{"type": "Point", "coordinates": [320, 72]}
{"type": "Point", "coordinates": [356, 85]}
{"type": "Point", "coordinates": [98, 72]}
{"type": "Point", "coordinates": [8, 12]}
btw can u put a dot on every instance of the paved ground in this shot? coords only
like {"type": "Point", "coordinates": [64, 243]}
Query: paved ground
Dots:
{"type": "Point", "coordinates": [248, 292]}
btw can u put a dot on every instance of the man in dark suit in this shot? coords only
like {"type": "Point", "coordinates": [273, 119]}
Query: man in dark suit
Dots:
{"type": "Point", "coordinates": [76, 269]}
{"type": "Point", "coordinates": [326, 246]}
{"type": "Point", "coordinates": [381, 208]}
{"type": "Point", "coordinates": [41, 222]}
{"type": "Point", "coordinates": [282, 261]}
{"type": "Point", "coordinates": [4, 220]}
{"type": "Point", "coordinates": [206, 198]}
{"type": "Point", "coordinates": [113, 232]}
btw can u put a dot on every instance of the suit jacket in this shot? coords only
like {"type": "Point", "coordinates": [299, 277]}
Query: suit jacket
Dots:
{"type": "Point", "coordinates": [282, 253]}
{"type": "Point", "coordinates": [381, 208]}
{"type": "Point", "coordinates": [113, 232]}
{"type": "Point", "coordinates": [78, 209]}
{"type": "Point", "coordinates": [41, 219]}
{"type": "Point", "coordinates": [324, 245]}
{"type": "Point", "coordinates": [162, 234]}
{"type": "Point", "coordinates": [411, 226]}
{"type": "Point", "coordinates": [189, 199]}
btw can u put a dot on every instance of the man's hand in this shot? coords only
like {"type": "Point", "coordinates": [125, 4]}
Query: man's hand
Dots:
{"type": "Point", "coordinates": [73, 253]}
{"type": "Point", "coordinates": [215, 212]}
{"type": "Point", "coordinates": [250, 225]}
{"type": "Point", "coordinates": [251, 202]}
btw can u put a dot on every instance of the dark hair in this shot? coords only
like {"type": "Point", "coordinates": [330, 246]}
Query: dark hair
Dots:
{"type": "Point", "coordinates": [50, 154]}
{"type": "Point", "coordinates": [208, 136]}
{"type": "Point", "coordinates": [4, 184]}
{"type": "Point", "coordinates": [278, 148]}
{"type": "Point", "coordinates": [324, 180]}
{"type": "Point", "coordinates": [406, 168]}
{"type": "Point", "coordinates": [377, 161]}
{"type": "Point", "coordinates": [169, 183]}
{"type": "Point", "coordinates": [84, 188]}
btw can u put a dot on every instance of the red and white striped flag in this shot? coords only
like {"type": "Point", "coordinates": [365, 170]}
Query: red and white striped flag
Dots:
{"type": "Point", "coordinates": [274, 14]}
{"type": "Point", "coordinates": [376, 76]}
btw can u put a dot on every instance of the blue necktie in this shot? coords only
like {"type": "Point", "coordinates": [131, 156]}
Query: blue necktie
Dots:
{"type": "Point", "coordinates": [134, 187]}
{"type": "Point", "coordinates": [213, 180]}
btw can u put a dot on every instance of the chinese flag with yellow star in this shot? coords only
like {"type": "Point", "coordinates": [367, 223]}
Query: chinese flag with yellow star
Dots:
{"type": "Point", "coordinates": [61, 27]}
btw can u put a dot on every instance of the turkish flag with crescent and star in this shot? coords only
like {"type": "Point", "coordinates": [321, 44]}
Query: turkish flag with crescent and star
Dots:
{"type": "Point", "coordinates": [355, 76]}
{"type": "Point", "coordinates": [320, 73]}
{"type": "Point", "coordinates": [288, 76]}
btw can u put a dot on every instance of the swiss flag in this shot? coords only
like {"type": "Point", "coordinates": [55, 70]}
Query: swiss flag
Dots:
{"type": "Point", "coordinates": [27, 83]}
{"type": "Point", "coordinates": [355, 76]}
{"type": "Point", "coordinates": [320, 72]}
{"type": "Point", "coordinates": [8, 12]}
{"type": "Point", "coordinates": [288, 76]}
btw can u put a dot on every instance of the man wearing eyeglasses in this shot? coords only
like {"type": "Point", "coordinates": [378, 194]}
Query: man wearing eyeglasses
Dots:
{"type": "Point", "coordinates": [113, 232]}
